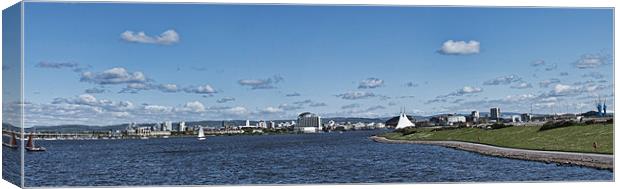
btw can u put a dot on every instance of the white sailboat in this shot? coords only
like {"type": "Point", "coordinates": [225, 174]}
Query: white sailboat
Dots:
{"type": "Point", "coordinates": [201, 134]}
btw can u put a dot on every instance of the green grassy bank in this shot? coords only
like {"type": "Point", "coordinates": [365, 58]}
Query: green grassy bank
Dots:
{"type": "Point", "coordinates": [578, 138]}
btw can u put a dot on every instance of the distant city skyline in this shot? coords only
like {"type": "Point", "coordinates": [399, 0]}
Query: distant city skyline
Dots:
{"type": "Point", "coordinates": [107, 63]}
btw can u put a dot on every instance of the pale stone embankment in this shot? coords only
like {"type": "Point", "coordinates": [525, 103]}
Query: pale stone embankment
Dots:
{"type": "Point", "coordinates": [600, 161]}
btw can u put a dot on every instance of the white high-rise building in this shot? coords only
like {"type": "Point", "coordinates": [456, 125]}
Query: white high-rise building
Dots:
{"type": "Point", "coordinates": [308, 123]}
{"type": "Point", "coordinates": [495, 113]}
{"type": "Point", "coordinates": [182, 126]}
{"type": "Point", "coordinates": [247, 123]}
{"type": "Point", "coordinates": [167, 126]}
{"type": "Point", "coordinates": [475, 116]}
{"type": "Point", "coordinates": [261, 124]}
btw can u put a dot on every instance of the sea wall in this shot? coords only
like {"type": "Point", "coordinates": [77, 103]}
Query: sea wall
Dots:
{"type": "Point", "coordinates": [599, 161]}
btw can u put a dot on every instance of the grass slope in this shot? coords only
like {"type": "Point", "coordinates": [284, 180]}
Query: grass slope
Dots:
{"type": "Point", "coordinates": [571, 139]}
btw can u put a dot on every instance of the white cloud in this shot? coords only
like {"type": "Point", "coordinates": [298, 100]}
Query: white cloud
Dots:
{"type": "Point", "coordinates": [451, 47]}
{"type": "Point", "coordinates": [373, 108]}
{"type": "Point", "coordinates": [87, 99]}
{"type": "Point", "coordinates": [469, 90]}
{"type": "Point", "coordinates": [370, 83]}
{"type": "Point", "coordinates": [537, 63]}
{"type": "Point", "coordinates": [57, 65]}
{"type": "Point", "coordinates": [562, 89]}
{"type": "Point", "coordinates": [168, 37]}
{"type": "Point", "coordinates": [117, 75]}
{"type": "Point", "coordinates": [466, 90]}
{"type": "Point", "coordinates": [202, 89]}
{"type": "Point", "coordinates": [157, 109]}
{"type": "Point", "coordinates": [355, 95]}
{"type": "Point", "coordinates": [225, 99]}
{"type": "Point", "coordinates": [595, 75]}
{"type": "Point", "coordinates": [317, 104]}
{"type": "Point", "coordinates": [135, 87]}
{"type": "Point", "coordinates": [75, 67]}
{"type": "Point", "coordinates": [547, 82]}
{"type": "Point", "coordinates": [290, 106]}
{"type": "Point", "coordinates": [301, 104]}
{"type": "Point", "coordinates": [411, 84]}
{"type": "Point", "coordinates": [120, 114]}
{"type": "Point", "coordinates": [194, 106]}
{"type": "Point", "coordinates": [237, 110]}
{"type": "Point", "coordinates": [519, 98]}
{"type": "Point", "coordinates": [169, 88]}
{"type": "Point", "coordinates": [261, 83]}
{"type": "Point", "coordinates": [503, 80]}
{"type": "Point", "coordinates": [349, 106]}
{"type": "Point", "coordinates": [522, 85]}
{"type": "Point", "coordinates": [91, 102]}
{"type": "Point", "coordinates": [551, 67]}
{"type": "Point", "coordinates": [94, 90]}
{"type": "Point", "coordinates": [293, 94]}
{"type": "Point", "coordinates": [271, 110]}
{"type": "Point", "coordinates": [587, 61]}
{"type": "Point", "coordinates": [549, 99]}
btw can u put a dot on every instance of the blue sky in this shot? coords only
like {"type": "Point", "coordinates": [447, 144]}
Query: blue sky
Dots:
{"type": "Point", "coordinates": [89, 63]}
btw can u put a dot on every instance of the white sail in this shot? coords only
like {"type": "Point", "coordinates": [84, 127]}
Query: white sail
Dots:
{"type": "Point", "coordinates": [201, 133]}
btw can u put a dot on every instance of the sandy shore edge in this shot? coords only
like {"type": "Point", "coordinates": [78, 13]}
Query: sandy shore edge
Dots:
{"type": "Point", "coordinates": [599, 161]}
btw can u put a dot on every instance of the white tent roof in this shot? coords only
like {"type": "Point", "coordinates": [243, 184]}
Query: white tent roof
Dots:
{"type": "Point", "coordinates": [403, 122]}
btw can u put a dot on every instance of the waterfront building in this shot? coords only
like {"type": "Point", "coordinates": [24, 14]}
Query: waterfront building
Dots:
{"type": "Point", "coordinates": [129, 129]}
{"type": "Point", "coordinates": [247, 123]}
{"type": "Point", "coordinates": [167, 126]}
{"type": "Point", "coordinates": [271, 125]}
{"type": "Point", "coordinates": [182, 126]}
{"type": "Point", "coordinates": [359, 126]}
{"type": "Point", "coordinates": [516, 118]}
{"type": "Point", "coordinates": [495, 114]}
{"type": "Point", "coordinates": [475, 116]}
{"type": "Point", "coordinates": [526, 117]}
{"type": "Point", "coordinates": [456, 119]}
{"type": "Point", "coordinates": [308, 123]}
{"type": "Point", "coordinates": [439, 120]}
{"type": "Point", "coordinates": [285, 124]}
{"type": "Point", "coordinates": [331, 123]}
{"type": "Point", "coordinates": [145, 131]}
{"type": "Point", "coordinates": [156, 127]}
{"type": "Point", "coordinates": [404, 122]}
{"type": "Point", "coordinates": [261, 124]}
{"type": "Point", "coordinates": [225, 131]}
{"type": "Point", "coordinates": [159, 133]}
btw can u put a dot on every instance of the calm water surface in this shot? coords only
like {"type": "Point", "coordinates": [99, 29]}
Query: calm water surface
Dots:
{"type": "Point", "coordinates": [349, 157]}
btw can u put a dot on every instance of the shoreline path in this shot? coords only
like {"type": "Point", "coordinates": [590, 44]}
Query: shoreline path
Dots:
{"type": "Point", "coordinates": [599, 161]}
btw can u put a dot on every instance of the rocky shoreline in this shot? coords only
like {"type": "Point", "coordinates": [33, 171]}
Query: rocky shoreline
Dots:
{"type": "Point", "coordinates": [599, 161]}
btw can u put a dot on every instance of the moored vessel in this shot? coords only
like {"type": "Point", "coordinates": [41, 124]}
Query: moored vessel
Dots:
{"type": "Point", "coordinates": [30, 146]}
{"type": "Point", "coordinates": [12, 143]}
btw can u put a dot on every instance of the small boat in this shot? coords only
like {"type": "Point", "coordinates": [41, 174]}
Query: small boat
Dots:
{"type": "Point", "coordinates": [201, 134]}
{"type": "Point", "coordinates": [12, 143]}
{"type": "Point", "coordinates": [31, 147]}
{"type": "Point", "coordinates": [144, 138]}
{"type": "Point", "coordinates": [165, 137]}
